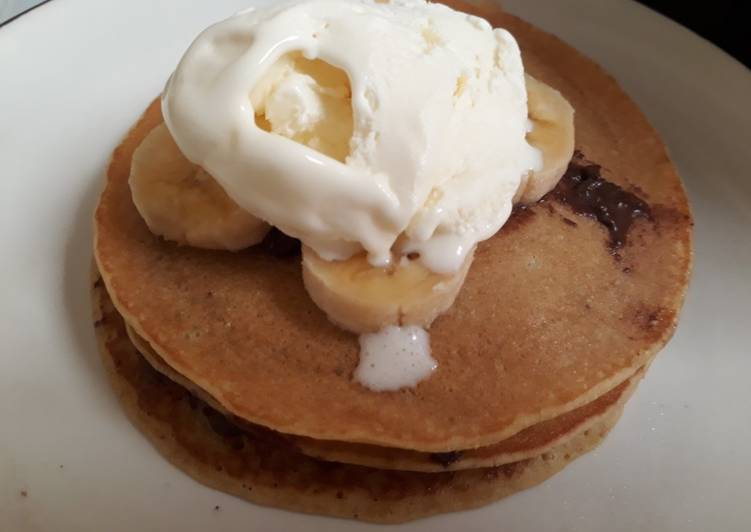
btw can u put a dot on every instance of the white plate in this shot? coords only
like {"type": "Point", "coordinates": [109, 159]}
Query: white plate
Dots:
{"type": "Point", "coordinates": [75, 74]}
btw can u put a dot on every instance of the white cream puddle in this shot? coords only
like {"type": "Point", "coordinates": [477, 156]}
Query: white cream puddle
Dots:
{"type": "Point", "coordinates": [394, 358]}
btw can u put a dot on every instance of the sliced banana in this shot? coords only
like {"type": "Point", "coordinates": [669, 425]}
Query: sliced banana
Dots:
{"type": "Point", "coordinates": [360, 298]}
{"type": "Point", "coordinates": [552, 133]}
{"type": "Point", "coordinates": [181, 202]}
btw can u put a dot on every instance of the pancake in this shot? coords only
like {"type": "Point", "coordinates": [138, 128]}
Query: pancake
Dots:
{"type": "Point", "coordinates": [199, 441]}
{"type": "Point", "coordinates": [549, 319]}
{"type": "Point", "coordinates": [529, 443]}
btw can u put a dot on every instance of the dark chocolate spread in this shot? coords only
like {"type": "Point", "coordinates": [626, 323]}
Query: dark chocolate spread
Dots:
{"type": "Point", "coordinates": [446, 459]}
{"type": "Point", "coordinates": [220, 424]}
{"type": "Point", "coordinates": [280, 245]}
{"type": "Point", "coordinates": [583, 188]}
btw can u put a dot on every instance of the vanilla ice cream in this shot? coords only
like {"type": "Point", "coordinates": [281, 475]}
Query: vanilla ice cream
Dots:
{"type": "Point", "coordinates": [351, 123]}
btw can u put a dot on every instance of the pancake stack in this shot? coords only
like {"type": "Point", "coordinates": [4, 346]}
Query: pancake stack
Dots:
{"type": "Point", "coordinates": [236, 377]}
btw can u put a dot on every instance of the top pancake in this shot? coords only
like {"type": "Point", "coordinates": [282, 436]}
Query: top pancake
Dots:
{"type": "Point", "coordinates": [548, 319]}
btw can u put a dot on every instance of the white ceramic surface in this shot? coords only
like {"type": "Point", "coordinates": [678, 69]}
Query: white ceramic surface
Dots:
{"type": "Point", "coordinates": [11, 8]}
{"type": "Point", "coordinates": [74, 74]}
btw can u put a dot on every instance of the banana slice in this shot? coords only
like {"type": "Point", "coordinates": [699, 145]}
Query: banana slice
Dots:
{"type": "Point", "coordinates": [181, 202]}
{"type": "Point", "coordinates": [360, 298]}
{"type": "Point", "coordinates": [552, 133]}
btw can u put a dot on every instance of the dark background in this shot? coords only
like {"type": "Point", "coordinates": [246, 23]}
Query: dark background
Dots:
{"type": "Point", "coordinates": [719, 21]}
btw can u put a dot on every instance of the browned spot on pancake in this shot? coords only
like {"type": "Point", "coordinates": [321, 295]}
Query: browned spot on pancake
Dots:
{"type": "Point", "coordinates": [520, 215]}
{"type": "Point", "coordinates": [569, 222]}
{"type": "Point", "coordinates": [667, 218]}
{"type": "Point", "coordinates": [651, 321]}
{"type": "Point", "coordinates": [510, 470]}
{"type": "Point", "coordinates": [638, 191]}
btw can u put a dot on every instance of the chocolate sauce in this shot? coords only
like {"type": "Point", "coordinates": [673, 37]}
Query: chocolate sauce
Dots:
{"type": "Point", "coordinates": [587, 193]}
{"type": "Point", "coordinates": [446, 459]}
{"type": "Point", "coordinates": [220, 424]}
{"type": "Point", "coordinates": [520, 215]}
{"type": "Point", "coordinates": [280, 245]}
